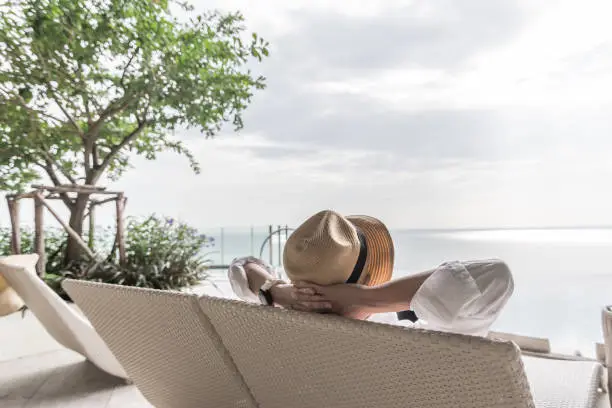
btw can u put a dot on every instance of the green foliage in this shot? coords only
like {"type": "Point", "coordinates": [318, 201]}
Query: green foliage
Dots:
{"type": "Point", "coordinates": [55, 243]}
{"type": "Point", "coordinates": [162, 247]}
{"type": "Point", "coordinates": [161, 254]}
{"type": "Point", "coordinates": [83, 83]}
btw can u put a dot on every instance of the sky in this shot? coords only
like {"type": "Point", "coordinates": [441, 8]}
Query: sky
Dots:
{"type": "Point", "coordinates": [425, 114]}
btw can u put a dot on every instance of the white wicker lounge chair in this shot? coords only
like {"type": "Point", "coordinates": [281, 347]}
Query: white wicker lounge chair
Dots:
{"type": "Point", "coordinates": [307, 360]}
{"type": "Point", "coordinates": [166, 344]}
{"type": "Point", "coordinates": [247, 355]}
{"type": "Point", "coordinates": [64, 324]}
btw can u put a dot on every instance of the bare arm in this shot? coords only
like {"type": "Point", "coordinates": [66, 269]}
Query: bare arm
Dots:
{"type": "Point", "coordinates": [396, 295]}
{"type": "Point", "coordinates": [256, 275]}
{"type": "Point", "coordinates": [283, 294]}
{"type": "Point", "coordinates": [360, 301]}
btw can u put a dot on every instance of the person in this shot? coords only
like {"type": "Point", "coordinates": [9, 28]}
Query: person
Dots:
{"type": "Point", "coordinates": [343, 265]}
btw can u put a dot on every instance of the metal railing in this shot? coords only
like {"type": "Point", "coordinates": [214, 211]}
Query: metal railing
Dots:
{"type": "Point", "coordinates": [225, 244]}
{"type": "Point", "coordinates": [279, 231]}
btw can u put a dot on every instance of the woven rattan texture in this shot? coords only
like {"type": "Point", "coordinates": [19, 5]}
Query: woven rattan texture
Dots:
{"type": "Point", "coordinates": [566, 384]}
{"type": "Point", "coordinates": [165, 343]}
{"type": "Point", "coordinates": [300, 360]}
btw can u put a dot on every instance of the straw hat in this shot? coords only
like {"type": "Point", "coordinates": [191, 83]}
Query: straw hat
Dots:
{"type": "Point", "coordinates": [10, 302]}
{"type": "Point", "coordinates": [329, 248]}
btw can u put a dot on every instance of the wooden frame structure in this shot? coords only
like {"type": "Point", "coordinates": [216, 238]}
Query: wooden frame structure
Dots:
{"type": "Point", "coordinates": [41, 194]}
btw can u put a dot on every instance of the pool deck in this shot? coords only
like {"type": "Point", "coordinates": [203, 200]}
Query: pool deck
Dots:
{"type": "Point", "coordinates": [36, 371]}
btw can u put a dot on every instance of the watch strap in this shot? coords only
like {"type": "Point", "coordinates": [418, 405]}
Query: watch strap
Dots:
{"type": "Point", "coordinates": [270, 283]}
{"type": "Point", "coordinates": [265, 293]}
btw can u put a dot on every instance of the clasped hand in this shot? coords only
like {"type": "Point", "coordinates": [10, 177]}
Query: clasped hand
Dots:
{"type": "Point", "coordinates": [341, 299]}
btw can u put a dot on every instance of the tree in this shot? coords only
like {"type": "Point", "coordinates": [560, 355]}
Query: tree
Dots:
{"type": "Point", "coordinates": [86, 83]}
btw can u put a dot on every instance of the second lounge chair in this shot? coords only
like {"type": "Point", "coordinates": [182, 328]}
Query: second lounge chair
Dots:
{"type": "Point", "coordinates": [63, 323]}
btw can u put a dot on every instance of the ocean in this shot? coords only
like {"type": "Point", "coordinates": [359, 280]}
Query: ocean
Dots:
{"type": "Point", "coordinates": [562, 276]}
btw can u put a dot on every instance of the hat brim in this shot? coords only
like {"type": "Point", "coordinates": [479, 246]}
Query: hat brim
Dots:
{"type": "Point", "coordinates": [378, 268]}
{"type": "Point", "coordinates": [10, 302]}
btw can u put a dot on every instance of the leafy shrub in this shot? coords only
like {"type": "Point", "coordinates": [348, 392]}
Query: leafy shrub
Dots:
{"type": "Point", "coordinates": [55, 243]}
{"type": "Point", "coordinates": [161, 253]}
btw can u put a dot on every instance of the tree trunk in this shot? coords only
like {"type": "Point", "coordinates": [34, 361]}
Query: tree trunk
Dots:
{"type": "Point", "coordinates": [13, 206]}
{"type": "Point", "coordinates": [77, 216]}
{"type": "Point", "coordinates": [39, 237]}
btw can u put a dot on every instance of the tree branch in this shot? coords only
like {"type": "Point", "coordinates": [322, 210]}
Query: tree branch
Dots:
{"type": "Point", "coordinates": [48, 168]}
{"type": "Point", "coordinates": [94, 155]}
{"type": "Point", "coordinates": [21, 102]}
{"type": "Point", "coordinates": [54, 96]}
{"type": "Point", "coordinates": [84, 95]}
{"type": "Point", "coordinates": [50, 160]}
{"type": "Point", "coordinates": [43, 114]}
{"type": "Point", "coordinates": [94, 130]}
{"type": "Point", "coordinates": [116, 148]}
{"type": "Point", "coordinates": [72, 121]}
{"type": "Point", "coordinates": [85, 100]}
{"type": "Point", "coordinates": [95, 104]}
{"type": "Point", "coordinates": [87, 157]}
{"type": "Point", "coordinates": [127, 66]}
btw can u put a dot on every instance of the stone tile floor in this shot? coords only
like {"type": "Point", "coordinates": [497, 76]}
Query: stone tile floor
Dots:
{"type": "Point", "coordinates": [36, 371]}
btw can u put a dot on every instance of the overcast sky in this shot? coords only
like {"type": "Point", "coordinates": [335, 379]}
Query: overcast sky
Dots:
{"type": "Point", "coordinates": [426, 114]}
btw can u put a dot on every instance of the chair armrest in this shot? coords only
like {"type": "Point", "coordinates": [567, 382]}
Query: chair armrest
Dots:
{"type": "Point", "coordinates": [606, 325]}
{"type": "Point", "coordinates": [525, 343]}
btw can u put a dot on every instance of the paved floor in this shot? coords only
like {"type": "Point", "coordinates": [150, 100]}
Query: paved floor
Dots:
{"type": "Point", "coordinates": [62, 378]}
{"type": "Point", "coordinates": [36, 371]}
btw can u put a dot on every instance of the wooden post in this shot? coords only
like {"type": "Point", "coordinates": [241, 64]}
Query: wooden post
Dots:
{"type": "Point", "coordinates": [69, 230]}
{"type": "Point", "coordinates": [120, 205]}
{"type": "Point", "coordinates": [92, 225]}
{"type": "Point", "coordinates": [13, 207]}
{"type": "Point", "coordinates": [39, 237]}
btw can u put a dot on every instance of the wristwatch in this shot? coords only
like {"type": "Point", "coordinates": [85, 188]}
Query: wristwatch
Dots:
{"type": "Point", "coordinates": [265, 295]}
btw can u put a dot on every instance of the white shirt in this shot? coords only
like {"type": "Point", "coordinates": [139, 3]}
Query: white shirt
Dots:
{"type": "Point", "coordinates": [463, 297]}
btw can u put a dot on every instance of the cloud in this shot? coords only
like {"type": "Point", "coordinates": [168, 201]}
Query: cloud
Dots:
{"type": "Point", "coordinates": [433, 34]}
{"type": "Point", "coordinates": [356, 123]}
{"type": "Point", "coordinates": [543, 65]}
{"type": "Point", "coordinates": [427, 114]}
{"type": "Point", "coordinates": [400, 85]}
{"type": "Point", "coordinates": [239, 187]}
